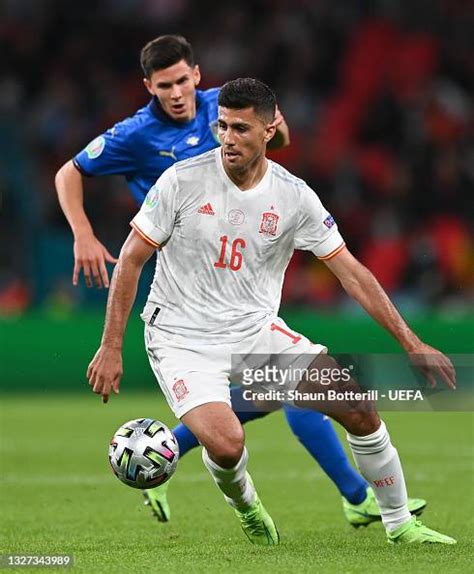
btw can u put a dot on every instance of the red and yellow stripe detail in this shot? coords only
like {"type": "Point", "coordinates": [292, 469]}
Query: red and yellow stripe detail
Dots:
{"type": "Point", "coordinates": [333, 253]}
{"type": "Point", "coordinates": [144, 236]}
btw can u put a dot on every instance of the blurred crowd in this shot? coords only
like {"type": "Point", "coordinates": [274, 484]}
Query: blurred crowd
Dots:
{"type": "Point", "coordinates": [378, 96]}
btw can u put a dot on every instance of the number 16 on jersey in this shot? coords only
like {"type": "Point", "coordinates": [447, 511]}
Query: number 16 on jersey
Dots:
{"type": "Point", "coordinates": [236, 256]}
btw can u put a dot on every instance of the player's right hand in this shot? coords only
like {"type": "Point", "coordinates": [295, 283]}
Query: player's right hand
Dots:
{"type": "Point", "coordinates": [90, 256]}
{"type": "Point", "coordinates": [105, 371]}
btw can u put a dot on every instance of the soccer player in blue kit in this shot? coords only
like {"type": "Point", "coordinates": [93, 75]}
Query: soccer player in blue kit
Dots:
{"type": "Point", "coordinates": [180, 122]}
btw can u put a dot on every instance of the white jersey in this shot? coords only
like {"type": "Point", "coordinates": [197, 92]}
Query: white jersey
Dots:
{"type": "Point", "coordinates": [220, 273]}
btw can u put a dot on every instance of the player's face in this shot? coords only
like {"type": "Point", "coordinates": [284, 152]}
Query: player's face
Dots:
{"type": "Point", "coordinates": [175, 88]}
{"type": "Point", "coordinates": [243, 136]}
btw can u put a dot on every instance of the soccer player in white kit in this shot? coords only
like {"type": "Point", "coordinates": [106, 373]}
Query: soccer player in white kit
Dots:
{"type": "Point", "coordinates": [227, 223]}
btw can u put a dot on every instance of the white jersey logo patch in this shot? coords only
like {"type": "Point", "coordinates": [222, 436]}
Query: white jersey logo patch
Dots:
{"type": "Point", "coordinates": [236, 217]}
{"type": "Point", "coordinates": [192, 140]}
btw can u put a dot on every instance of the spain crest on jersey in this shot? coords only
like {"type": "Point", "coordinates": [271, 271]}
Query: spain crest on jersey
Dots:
{"type": "Point", "coordinates": [269, 223]}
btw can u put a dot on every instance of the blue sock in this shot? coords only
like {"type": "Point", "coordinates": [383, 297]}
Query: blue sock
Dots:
{"type": "Point", "coordinates": [185, 438]}
{"type": "Point", "coordinates": [317, 435]}
{"type": "Point", "coordinates": [245, 411]}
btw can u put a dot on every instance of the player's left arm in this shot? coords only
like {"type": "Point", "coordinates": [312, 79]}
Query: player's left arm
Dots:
{"type": "Point", "coordinates": [362, 286]}
{"type": "Point", "coordinates": [282, 134]}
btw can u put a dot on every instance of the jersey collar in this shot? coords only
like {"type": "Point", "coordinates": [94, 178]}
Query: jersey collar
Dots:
{"type": "Point", "coordinates": [261, 185]}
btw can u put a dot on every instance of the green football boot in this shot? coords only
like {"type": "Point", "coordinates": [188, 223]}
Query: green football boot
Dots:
{"type": "Point", "coordinates": [414, 532]}
{"type": "Point", "coordinates": [157, 500]}
{"type": "Point", "coordinates": [258, 525]}
{"type": "Point", "coordinates": [368, 511]}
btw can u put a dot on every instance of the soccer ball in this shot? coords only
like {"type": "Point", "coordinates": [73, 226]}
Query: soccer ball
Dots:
{"type": "Point", "coordinates": [143, 453]}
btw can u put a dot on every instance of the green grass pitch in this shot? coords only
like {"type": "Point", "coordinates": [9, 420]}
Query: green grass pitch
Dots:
{"type": "Point", "coordinates": [58, 496]}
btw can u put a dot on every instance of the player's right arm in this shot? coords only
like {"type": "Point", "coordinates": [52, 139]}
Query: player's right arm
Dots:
{"type": "Point", "coordinates": [152, 227]}
{"type": "Point", "coordinates": [105, 369]}
{"type": "Point", "coordinates": [90, 254]}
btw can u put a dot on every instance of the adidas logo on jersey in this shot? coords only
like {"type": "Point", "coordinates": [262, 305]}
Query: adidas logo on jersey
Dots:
{"type": "Point", "coordinates": [206, 209]}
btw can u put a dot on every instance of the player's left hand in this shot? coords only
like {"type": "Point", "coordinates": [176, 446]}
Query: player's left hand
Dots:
{"type": "Point", "coordinates": [432, 363]}
{"type": "Point", "coordinates": [104, 372]}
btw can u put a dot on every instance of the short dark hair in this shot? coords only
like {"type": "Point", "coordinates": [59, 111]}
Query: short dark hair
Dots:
{"type": "Point", "coordinates": [165, 51]}
{"type": "Point", "coordinates": [249, 93]}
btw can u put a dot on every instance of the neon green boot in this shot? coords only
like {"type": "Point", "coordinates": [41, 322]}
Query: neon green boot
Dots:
{"type": "Point", "coordinates": [368, 511]}
{"type": "Point", "coordinates": [414, 532]}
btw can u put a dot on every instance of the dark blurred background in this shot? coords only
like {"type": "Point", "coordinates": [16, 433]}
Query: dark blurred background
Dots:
{"type": "Point", "coordinates": [377, 95]}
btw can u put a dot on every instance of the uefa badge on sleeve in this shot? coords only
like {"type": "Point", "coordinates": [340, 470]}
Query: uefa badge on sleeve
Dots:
{"type": "Point", "coordinates": [95, 148]}
{"type": "Point", "coordinates": [329, 221]}
{"type": "Point", "coordinates": [269, 223]}
{"type": "Point", "coordinates": [151, 199]}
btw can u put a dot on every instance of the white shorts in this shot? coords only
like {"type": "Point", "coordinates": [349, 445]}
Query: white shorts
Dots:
{"type": "Point", "coordinates": [193, 375]}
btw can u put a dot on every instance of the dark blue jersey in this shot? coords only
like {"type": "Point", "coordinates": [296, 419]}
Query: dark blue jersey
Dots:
{"type": "Point", "coordinates": [143, 146]}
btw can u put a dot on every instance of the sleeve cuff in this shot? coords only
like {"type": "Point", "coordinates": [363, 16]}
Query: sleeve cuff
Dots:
{"type": "Point", "coordinates": [80, 169]}
{"type": "Point", "coordinates": [145, 238]}
{"type": "Point", "coordinates": [331, 244]}
{"type": "Point", "coordinates": [150, 233]}
{"type": "Point", "coordinates": [333, 253]}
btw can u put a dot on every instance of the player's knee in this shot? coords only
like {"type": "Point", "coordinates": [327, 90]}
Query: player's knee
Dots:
{"type": "Point", "coordinates": [322, 361]}
{"type": "Point", "coordinates": [362, 423]}
{"type": "Point", "coordinates": [228, 449]}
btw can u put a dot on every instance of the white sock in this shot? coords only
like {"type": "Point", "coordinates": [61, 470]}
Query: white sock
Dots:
{"type": "Point", "coordinates": [237, 489]}
{"type": "Point", "coordinates": [378, 462]}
